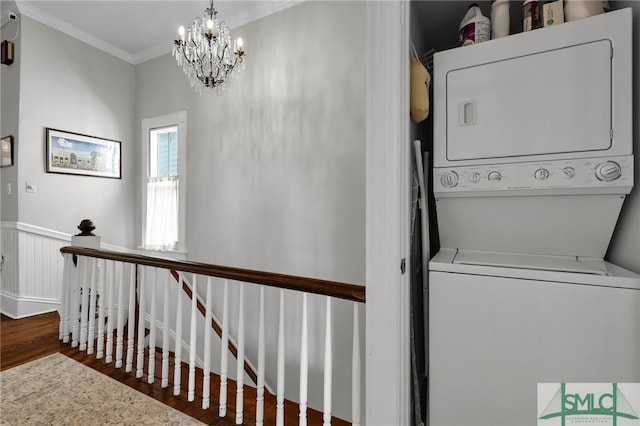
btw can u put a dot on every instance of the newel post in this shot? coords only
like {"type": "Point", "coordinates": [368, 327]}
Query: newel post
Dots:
{"type": "Point", "coordinates": [79, 320]}
{"type": "Point", "coordinates": [86, 238]}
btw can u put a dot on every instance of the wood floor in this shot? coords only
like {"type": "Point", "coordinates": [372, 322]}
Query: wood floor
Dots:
{"type": "Point", "coordinates": [31, 338]}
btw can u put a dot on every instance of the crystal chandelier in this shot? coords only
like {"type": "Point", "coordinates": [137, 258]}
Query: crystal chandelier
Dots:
{"type": "Point", "coordinates": [206, 52]}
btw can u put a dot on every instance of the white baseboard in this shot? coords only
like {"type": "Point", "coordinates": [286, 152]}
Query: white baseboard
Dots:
{"type": "Point", "coordinates": [17, 307]}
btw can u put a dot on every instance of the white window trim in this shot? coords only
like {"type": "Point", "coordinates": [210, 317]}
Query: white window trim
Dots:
{"type": "Point", "coordinates": [179, 119]}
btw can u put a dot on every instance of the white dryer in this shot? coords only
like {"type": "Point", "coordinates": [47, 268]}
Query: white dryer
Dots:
{"type": "Point", "coordinates": [533, 133]}
{"type": "Point", "coordinates": [498, 331]}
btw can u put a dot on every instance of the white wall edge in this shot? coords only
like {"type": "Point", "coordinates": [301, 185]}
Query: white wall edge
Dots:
{"type": "Point", "coordinates": [387, 186]}
{"type": "Point", "coordinates": [32, 229]}
{"type": "Point", "coordinates": [56, 235]}
{"type": "Point", "coordinates": [17, 307]}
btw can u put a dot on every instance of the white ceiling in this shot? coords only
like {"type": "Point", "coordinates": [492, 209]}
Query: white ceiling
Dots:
{"type": "Point", "coordinates": [136, 30]}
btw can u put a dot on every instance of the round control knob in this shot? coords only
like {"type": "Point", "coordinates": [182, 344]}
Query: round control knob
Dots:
{"type": "Point", "coordinates": [474, 177]}
{"type": "Point", "coordinates": [568, 172]}
{"type": "Point", "coordinates": [608, 171]}
{"type": "Point", "coordinates": [494, 176]}
{"type": "Point", "coordinates": [541, 174]}
{"type": "Point", "coordinates": [449, 179]}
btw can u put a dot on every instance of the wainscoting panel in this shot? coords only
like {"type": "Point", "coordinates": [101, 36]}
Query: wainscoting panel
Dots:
{"type": "Point", "coordinates": [32, 271]}
{"type": "Point", "coordinates": [10, 259]}
{"type": "Point", "coordinates": [42, 263]}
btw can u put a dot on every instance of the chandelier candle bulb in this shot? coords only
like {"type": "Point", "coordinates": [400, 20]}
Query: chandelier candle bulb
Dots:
{"type": "Point", "coordinates": [181, 33]}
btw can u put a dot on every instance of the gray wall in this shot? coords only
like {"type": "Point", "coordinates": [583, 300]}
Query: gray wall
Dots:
{"type": "Point", "coordinates": [276, 165]}
{"type": "Point", "coordinates": [10, 87]}
{"type": "Point", "coordinates": [68, 85]}
{"type": "Point", "coordinates": [276, 170]}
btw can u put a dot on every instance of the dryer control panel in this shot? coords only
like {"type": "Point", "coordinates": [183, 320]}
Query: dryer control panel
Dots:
{"type": "Point", "coordinates": [587, 173]}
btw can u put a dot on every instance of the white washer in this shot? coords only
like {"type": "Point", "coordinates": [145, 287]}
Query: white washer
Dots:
{"type": "Point", "coordinates": [499, 324]}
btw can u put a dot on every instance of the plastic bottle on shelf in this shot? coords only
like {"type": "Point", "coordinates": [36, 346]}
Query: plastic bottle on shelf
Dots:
{"type": "Point", "coordinates": [475, 27]}
{"type": "Point", "coordinates": [530, 15]}
{"type": "Point", "coordinates": [578, 9]}
{"type": "Point", "coordinates": [499, 18]}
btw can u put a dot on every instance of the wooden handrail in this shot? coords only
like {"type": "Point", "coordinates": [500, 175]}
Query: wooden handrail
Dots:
{"type": "Point", "coordinates": [338, 290]}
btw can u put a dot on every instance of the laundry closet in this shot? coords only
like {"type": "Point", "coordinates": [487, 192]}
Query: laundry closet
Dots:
{"type": "Point", "coordinates": [524, 163]}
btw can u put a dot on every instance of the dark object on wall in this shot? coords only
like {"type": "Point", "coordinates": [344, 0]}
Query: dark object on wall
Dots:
{"type": "Point", "coordinates": [7, 52]}
{"type": "Point", "coordinates": [6, 151]}
{"type": "Point", "coordinates": [86, 226]}
{"type": "Point", "coordinates": [78, 154]}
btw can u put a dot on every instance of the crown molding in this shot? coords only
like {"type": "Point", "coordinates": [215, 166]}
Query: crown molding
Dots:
{"type": "Point", "coordinates": [73, 31]}
{"type": "Point", "coordinates": [260, 10]}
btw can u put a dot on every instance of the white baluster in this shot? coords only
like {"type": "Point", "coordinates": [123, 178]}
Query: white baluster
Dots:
{"type": "Point", "coordinates": [328, 366]}
{"type": "Point", "coordinates": [101, 304]}
{"type": "Point", "coordinates": [66, 297]}
{"type": "Point", "coordinates": [131, 322]}
{"type": "Point", "coordinates": [120, 330]}
{"type": "Point", "coordinates": [304, 356]}
{"type": "Point", "coordinates": [141, 322]}
{"type": "Point", "coordinates": [151, 369]}
{"type": "Point", "coordinates": [165, 331]}
{"type": "Point", "coordinates": [222, 411]}
{"type": "Point", "coordinates": [177, 369]}
{"type": "Point", "coordinates": [206, 382]}
{"type": "Point", "coordinates": [110, 319]}
{"type": "Point", "coordinates": [260, 390]}
{"type": "Point", "coordinates": [192, 342]}
{"type": "Point", "coordinates": [240, 361]}
{"type": "Point", "coordinates": [75, 300]}
{"type": "Point", "coordinates": [84, 286]}
{"type": "Point", "coordinates": [280, 385]}
{"type": "Point", "coordinates": [355, 368]}
{"type": "Point", "coordinates": [92, 306]}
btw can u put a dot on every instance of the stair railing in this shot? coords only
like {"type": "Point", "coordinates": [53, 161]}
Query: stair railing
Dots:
{"type": "Point", "coordinates": [106, 292]}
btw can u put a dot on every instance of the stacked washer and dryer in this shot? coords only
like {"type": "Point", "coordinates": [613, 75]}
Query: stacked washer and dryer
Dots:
{"type": "Point", "coordinates": [532, 163]}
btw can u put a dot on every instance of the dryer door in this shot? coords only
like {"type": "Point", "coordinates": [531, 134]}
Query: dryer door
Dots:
{"type": "Point", "coordinates": [556, 101]}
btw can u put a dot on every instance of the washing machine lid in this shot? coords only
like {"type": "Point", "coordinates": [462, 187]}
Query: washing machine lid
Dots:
{"type": "Point", "coordinates": [562, 269]}
{"type": "Point", "coordinates": [572, 264]}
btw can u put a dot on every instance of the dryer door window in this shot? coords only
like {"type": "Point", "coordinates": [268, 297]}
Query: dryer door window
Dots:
{"type": "Point", "coordinates": [557, 101]}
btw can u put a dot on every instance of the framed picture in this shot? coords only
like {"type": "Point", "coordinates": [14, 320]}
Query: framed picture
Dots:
{"type": "Point", "coordinates": [77, 154]}
{"type": "Point", "coordinates": [6, 151]}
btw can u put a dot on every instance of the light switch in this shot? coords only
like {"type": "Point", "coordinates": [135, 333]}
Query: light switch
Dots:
{"type": "Point", "coordinates": [9, 189]}
{"type": "Point", "coordinates": [31, 187]}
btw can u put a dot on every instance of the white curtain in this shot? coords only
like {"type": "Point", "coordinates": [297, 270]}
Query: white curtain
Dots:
{"type": "Point", "coordinates": [162, 213]}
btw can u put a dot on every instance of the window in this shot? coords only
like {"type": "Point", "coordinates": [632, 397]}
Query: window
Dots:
{"type": "Point", "coordinates": [164, 182]}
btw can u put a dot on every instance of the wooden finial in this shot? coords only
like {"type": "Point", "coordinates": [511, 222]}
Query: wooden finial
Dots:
{"type": "Point", "coordinates": [86, 226]}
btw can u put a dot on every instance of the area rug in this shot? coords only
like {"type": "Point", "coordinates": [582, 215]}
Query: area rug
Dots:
{"type": "Point", "coordinates": [56, 390]}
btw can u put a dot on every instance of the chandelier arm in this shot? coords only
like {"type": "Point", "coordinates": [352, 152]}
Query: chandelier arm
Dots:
{"type": "Point", "coordinates": [192, 62]}
{"type": "Point", "coordinates": [198, 62]}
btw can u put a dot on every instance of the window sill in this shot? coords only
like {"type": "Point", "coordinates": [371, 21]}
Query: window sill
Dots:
{"type": "Point", "coordinates": [178, 254]}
